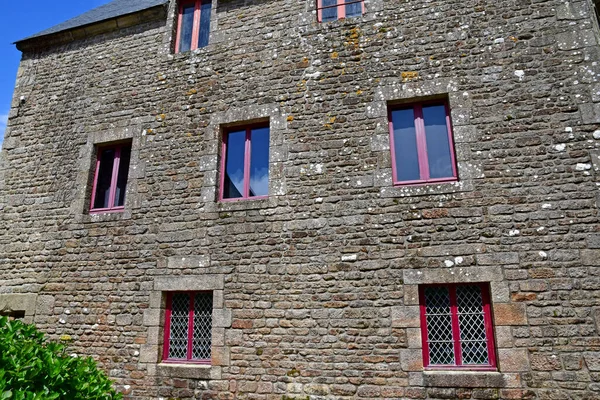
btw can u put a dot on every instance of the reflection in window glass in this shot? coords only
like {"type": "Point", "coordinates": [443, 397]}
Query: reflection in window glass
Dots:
{"type": "Point", "coordinates": [438, 147]}
{"type": "Point", "coordinates": [353, 8]}
{"type": "Point", "coordinates": [329, 10]}
{"type": "Point", "coordinates": [259, 162]}
{"type": "Point", "coordinates": [187, 27]}
{"type": "Point", "coordinates": [405, 145]}
{"type": "Point", "coordinates": [234, 165]}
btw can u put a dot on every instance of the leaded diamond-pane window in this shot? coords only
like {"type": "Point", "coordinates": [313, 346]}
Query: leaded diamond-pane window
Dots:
{"type": "Point", "coordinates": [188, 327]}
{"type": "Point", "coordinates": [457, 326]}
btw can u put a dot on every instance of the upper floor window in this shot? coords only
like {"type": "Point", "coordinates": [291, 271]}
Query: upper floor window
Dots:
{"type": "Point", "coordinates": [193, 25]}
{"type": "Point", "coordinates": [110, 178]}
{"type": "Point", "coordinates": [330, 10]}
{"type": "Point", "coordinates": [456, 326]}
{"type": "Point", "coordinates": [245, 163]}
{"type": "Point", "coordinates": [188, 327]}
{"type": "Point", "coordinates": [421, 143]}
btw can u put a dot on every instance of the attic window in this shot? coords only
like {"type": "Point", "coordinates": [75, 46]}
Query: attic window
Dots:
{"type": "Point", "coordinates": [193, 25]}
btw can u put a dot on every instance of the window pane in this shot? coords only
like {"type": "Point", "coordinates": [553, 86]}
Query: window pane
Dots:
{"type": "Point", "coordinates": [471, 323]}
{"type": "Point", "coordinates": [405, 145]}
{"type": "Point", "coordinates": [234, 165]}
{"type": "Point", "coordinates": [438, 147]}
{"type": "Point", "coordinates": [122, 176]}
{"type": "Point", "coordinates": [202, 326]}
{"type": "Point", "coordinates": [329, 13]}
{"type": "Point", "coordinates": [204, 23]}
{"type": "Point", "coordinates": [439, 326]}
{"type": "Point", "coordinates": [259, 162]}
{"type": "Point", "coordinates": [178, 332]}
{"type": "Point", "coordinates": [354, 9]}
{"type": "Point", "coordinates": [187, 26]}
{"type": "Point", "coordinates": [105, 171]}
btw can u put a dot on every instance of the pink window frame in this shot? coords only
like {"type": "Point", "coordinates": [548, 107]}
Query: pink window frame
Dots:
{"type": "Point", "coordinates": [489, 329]}
{"type": "Point", "coordinates": [341, 9]}
{"type": "Point", "coordinates": [195, 25]}
{"type": "Point", "coordinates": [422, 144]}
{"type": "Point", "coordinates": [190, 342]}
{"type": "Point", "coordinates": [113, 179]}
{"type": "Point", "coordinates": [247, 154]}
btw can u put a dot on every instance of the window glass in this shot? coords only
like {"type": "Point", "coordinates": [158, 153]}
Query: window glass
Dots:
{"type": "Point", "coordinates": [234, 165]}
{"type": "Point", "coordinates": [178, 329]}
{"type": "Point", "coordinates": [259, 162]}
{"type": "Point", "coordinates": [187, 27]}
{"type": "Point", "coordinates": [353, 8]}
{"type": "Point", "coordinates": [329, 10]}
{"type": "Point", "coordinates": [471, 322]}
{"type": "Point", "coordinates": [438, 147]}
{"type": "Point", "coordinates": [405, 145]}
{"type": "Point", "coordinates": [439, 326]}
{"type": "Point", "coordinates": [202, 337]}
{"type": "Point", "coordinates": [104, 178]}
{"type": "Point", "coordinates": [204, 31]}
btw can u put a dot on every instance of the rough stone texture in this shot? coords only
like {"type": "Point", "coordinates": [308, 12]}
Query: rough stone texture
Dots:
{"type": "Point", "coordinates": [315, 289]}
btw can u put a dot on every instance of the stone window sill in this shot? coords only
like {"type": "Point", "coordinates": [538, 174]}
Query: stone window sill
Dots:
{"type": "Point", "coordinates": [189, 371]}
{"type": "Point", "coordinates": [465, 379]}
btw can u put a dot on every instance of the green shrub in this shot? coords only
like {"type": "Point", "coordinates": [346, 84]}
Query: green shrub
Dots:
{"type": "Point", "coordinates": [32, 368]}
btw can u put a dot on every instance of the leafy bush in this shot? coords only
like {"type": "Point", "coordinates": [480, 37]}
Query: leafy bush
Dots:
{"type": "Point", "coordinates": [32, 368]}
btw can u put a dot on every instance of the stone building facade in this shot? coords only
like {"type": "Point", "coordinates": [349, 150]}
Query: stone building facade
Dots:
{"type": "Point", "coordinates": [316, 288]}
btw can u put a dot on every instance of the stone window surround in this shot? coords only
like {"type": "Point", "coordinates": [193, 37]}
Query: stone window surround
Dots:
{"type": "Point", "coordinates": [154, 318]}
{"type": "Point", "coordinates": [80, 207]}
{"type": "Point", "coordinates": [17, 302]}
{"type": "Point", "coordinates": [211, 166]}
{"type": "Point", "coordinates": [393, 91]}
{"type": "Point", "coordinates": [511, 361]}
{"type": "Point", "coordinates": [169, 39]}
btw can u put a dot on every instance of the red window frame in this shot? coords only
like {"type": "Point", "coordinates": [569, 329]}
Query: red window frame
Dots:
{"type": "Point", "coordinates": [113, 183]}
{"type": "Point", "coordinates": [488, 326]}
{"type": "Point", "coordinates": [195, 25]}
{"type": "Point", "coordinates": [247, 157]}
{"type": "Point", "coordinates": [190, 342]}
{"type": "Point", "coordinates": [422, 144]}
{"type": "Point", "coordinates": [341, 8]}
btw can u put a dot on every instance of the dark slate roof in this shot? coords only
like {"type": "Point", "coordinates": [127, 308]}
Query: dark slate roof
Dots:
{"type": "Point", "coordinates": [114, 9]}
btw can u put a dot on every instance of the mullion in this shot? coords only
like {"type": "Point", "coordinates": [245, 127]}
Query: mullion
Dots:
{"type": "Point", "coordinates": [455, 325]}
{"type": "Point", "coordinates": [114, 177]}
{"type": "Point", "coordinates": [421, 143]}
{"type": "Point", "coordinates": [247, 151]}
{"type": "Point", "coordinates": [190, 325]}
{"type": "Point", "coordinates": [196, 26]}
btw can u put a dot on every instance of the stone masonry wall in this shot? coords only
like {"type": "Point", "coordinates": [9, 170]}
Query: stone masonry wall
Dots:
{"type": "Point", "coordinates": [315, 288]}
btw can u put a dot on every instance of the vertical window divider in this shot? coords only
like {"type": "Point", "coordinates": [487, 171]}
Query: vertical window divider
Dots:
{"type": "Point", "coordinates": [451, 140]}
{"type": "Point", "coordinates": [247, 163]}
{"type": "Point", "coordinates": [320, 10]}
{"type": "Point", "coordinates": [424, 334]}
{"type": "Point", "coordinates": [114, 177]}
{"type": "Point", "coordinates": [455, 325]}
{"type": "Point", "coordinates": [421, 142]}
{"type": "Point", "coordinates": [489, 329]}
{"type": "Point", "coordinates": [190, 325]}
{"type": "Point", "coordinates": [167, 333]}
{"type": "Point", "coordinates": [196, 26]}
{"type": "Point", "coordinates": [341, 9]}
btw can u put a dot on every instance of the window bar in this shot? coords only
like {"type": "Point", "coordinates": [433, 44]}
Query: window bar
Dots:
{"type": "Point", "coordinates": [421, 142]}
{"type": "Point", "coordinates": [247, 165]}
{"type": "Point", "coordinates": [455, 325]}
{"type": "Point", "coordinates": [167, 336]}
{"type": "Point", "coordinates": [191, 297]}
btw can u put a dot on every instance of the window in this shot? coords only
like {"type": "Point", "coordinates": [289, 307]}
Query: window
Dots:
{"type": "Point", "coordinates": [12, 315]}
{"type": "Point", "coordinates": [110, 178]}
{"type": "Point", "coordinates": [245, 163]}
{"type": "Point", "coordinates": [421, 144]}
{"type": "Point", "coordinates": [330, 10]}
{"type": "Point", "coordinates": [456, 326]}
{"type": "Point", "coordinates": [193, 25]}
{"type": "Point", "coordinates": [188, 327]}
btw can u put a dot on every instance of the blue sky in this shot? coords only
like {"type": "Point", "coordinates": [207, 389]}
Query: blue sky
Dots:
{"type": "Point", "coordinates": [19, 20]}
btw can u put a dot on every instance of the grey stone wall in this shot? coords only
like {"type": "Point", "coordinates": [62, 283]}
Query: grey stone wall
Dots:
{"type": "Point", "coordinates": [315, 287]}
